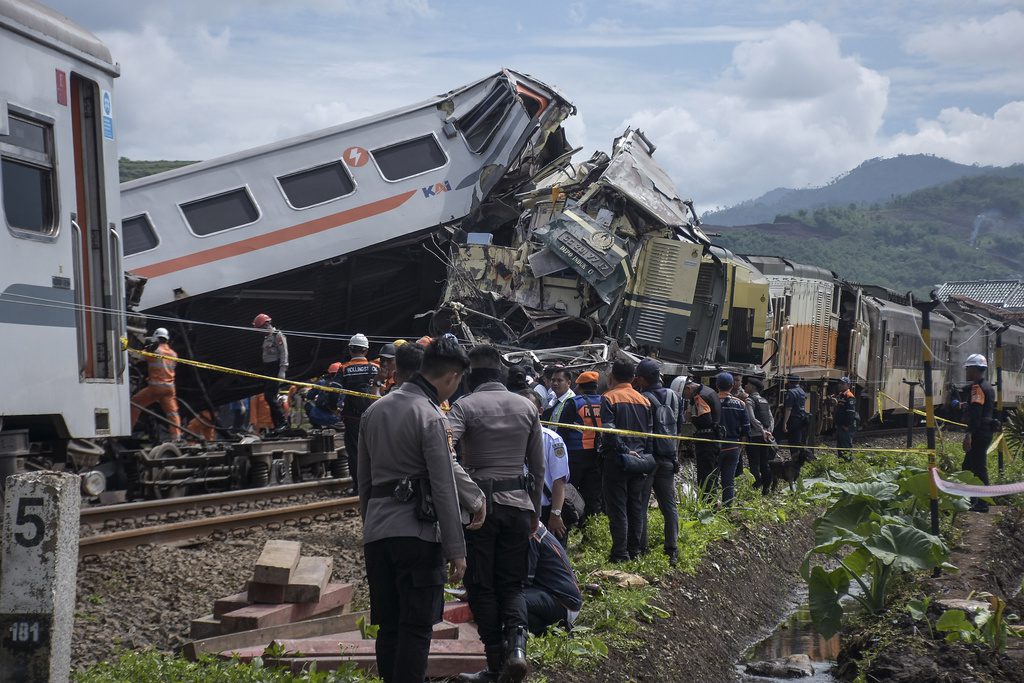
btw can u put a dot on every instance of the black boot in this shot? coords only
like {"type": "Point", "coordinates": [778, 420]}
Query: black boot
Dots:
{"type": "Point", "coordinates": [495, 660]}
{"type": "Point", "coordinates": [515, 656]}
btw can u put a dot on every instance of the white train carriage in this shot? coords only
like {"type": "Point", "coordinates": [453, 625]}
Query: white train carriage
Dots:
{"type": "Point", "coordinates": [265, 211]}
{"type": "Point", "coordinates": [61, 284]}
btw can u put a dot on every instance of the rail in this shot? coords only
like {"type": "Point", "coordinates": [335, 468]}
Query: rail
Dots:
{"type": "Point", "coordinates": [198, 529]}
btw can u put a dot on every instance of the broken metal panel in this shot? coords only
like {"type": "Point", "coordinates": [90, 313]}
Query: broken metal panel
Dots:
{"type": "Point", "coordinates": [636, 175]}
{"type": "Point", "coordinates": [589, 249]}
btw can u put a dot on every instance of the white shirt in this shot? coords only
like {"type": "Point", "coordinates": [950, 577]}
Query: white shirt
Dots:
{"type": "Point", "coordinates": [556, 462]}
{"type": "Point", "coordinates": [546, 395]}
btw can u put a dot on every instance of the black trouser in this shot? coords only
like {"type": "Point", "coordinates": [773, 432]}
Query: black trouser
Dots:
{"type": "Point", "coordinates": [624, 503]}
{"type": "Point", "coordinates": [585, 475]}
{"type": "Point", "coordinates": [727, 459]}
{"type": "Point", "coordinates": [662, 482]}
{"type": "Point", "coordinates": [352, 448]}
{"type": "Point", "coordinates": [759, 457]}
{"type": "Point", "coordinates": [976, 461]}
{"type": "Point", "coordinates": [497, 559]}
{"type": "Point", "coordinates": [406, 577]}
{"type": "Point", "coordinates": [706, 457]}
{"type": "Point", "coordinates": [844, 437]}
{"type": "Point", "coordinates": [543, 610]}
{"type": "Point", "coordinates": [270, 388]}
{"type": "Point", "coordinates": [796, 436]}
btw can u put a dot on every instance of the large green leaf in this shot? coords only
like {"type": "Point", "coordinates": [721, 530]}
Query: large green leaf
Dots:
{"type": "Point", "coordinates": [824, 591]}
{"type": "Point", "coordinates": [879, 491]}
{"type": "Point", "coordinates": [845, 514]}
{"type": "Point", "coordinates": [906, 548]}
{"type": "Point", "coordinates": [920, 487]}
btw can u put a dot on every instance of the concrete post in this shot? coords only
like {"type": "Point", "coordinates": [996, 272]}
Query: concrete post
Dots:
{"type": "Point", "coordinates": [38, 565]}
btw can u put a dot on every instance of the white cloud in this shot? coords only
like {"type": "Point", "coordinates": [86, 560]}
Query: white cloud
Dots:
{"type": "Point", "coordinates": [966, 137]}
{"type": "Point", "coordinates": [998, 40]}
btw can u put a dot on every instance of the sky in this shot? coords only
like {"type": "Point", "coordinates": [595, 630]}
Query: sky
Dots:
{"type": "Point", "coordinates": [740, 97]}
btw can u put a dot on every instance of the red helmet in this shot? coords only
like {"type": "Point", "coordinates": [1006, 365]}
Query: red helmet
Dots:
{"type": "Point", "coordinates": [424, 341]}
{"type": "Point", "coordinates": [333, 368]}
{"type": "Point", "coordinates": [261, 320]}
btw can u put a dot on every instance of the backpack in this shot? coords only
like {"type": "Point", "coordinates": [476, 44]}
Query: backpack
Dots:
{"type": "Point", "coordinates": [666, 416]}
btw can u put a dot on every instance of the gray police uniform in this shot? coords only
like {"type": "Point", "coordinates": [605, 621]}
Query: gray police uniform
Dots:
{"type": "Point", "coordinates": [498, 431]}
{"type": "Point", "coordinates": [405, 435]}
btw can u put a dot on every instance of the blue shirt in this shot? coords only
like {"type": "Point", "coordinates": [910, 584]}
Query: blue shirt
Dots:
{"type": "Point", "coordinates": [735, 422]}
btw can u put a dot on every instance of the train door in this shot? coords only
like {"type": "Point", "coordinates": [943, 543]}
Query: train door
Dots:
{"type": "Point", "coordinates": [94, 240]}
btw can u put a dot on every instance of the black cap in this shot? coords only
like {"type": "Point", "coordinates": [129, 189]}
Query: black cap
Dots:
{"type": "Point", "coordinates": [387, 351]}
{"type": "Point", "coordinates": [649, 369]}
{"type": "Point", "coordinates": [756, 383]}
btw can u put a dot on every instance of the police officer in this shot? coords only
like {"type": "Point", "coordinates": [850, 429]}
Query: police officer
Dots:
{"type": "Point", "coordinates": [761, 445]}
{"type": "Point", "coordinates": [705, 414]}
{"type": "Point", "coordinates": [322, 406]}
{"type": "Point", "coordinates": [735, 427]}
{"type": "Point", "coordinates": [404, 446]}
{"type": "Point", "coordinates": [556, 477]}
{"type": "Point", "coordinates": [665, 413]}
{"type": "Point", "coordinates": [275, 364]}
{"type": "Point", "coordinates": [846, 415]}
{"type": "Point", "coordinates": [356, 374]}
{"type": "Point", "coordinates": [553, 596]}
{"type": "Point", "coordinates": [497, 432]}
{"type": "Point", "coordinates": [981, 424]}
{"type": "Point", "coordinates": [794, 418]}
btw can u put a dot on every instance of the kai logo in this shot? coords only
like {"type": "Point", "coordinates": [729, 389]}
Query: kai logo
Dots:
{"type": "Point", "coordinates": [436, 189]}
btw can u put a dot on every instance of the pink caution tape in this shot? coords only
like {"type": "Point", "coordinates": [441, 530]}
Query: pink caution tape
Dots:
{"type": "Point", "coordinates": [955, 488]}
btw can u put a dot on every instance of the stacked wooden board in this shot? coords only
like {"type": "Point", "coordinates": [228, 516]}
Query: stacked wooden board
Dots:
{"type": "Point", "coordinates": [290, 609]}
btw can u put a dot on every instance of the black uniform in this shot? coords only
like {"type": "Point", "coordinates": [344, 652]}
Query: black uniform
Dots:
{"type": "Point", "coordinates": [796, 427]}
{"type": "Point", "coordinates": [981, 425]}
{"type": "Point", "coordinates": [706, 416]}
{"type": "Point", "coordinates": [846, 418]}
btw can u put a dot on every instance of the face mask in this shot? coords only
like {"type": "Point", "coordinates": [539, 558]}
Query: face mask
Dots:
{"type": "Point", "coordinates": [478, 376]}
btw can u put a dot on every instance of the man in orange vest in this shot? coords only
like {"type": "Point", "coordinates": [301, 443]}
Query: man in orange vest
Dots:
{"type": "Point", "coordinates": [357, 374]}
{"type": "Point", "coordinates": [160, 384]}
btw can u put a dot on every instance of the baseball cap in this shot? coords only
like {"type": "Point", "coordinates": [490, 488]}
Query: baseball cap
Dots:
{"type": "Point", "coordinates": [387, 351]}
{"type": "Point", "coordinates": [588, 377]}
{"type": "Point", "coordinates": [648, 368]}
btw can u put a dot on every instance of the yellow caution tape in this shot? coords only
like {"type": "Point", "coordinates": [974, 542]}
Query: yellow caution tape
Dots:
{"type": "Point", "coordinates": [878, 402]}
{"type": "Point", "coordinates": [916, 411]}
{"type": "Point", "coordinates": [253, 375]}
{"type": "Point", "coordinates": [604, 430]}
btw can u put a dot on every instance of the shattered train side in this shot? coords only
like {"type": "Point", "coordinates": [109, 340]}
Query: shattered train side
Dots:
{"type": "Point", "coordinates": [603, 251]}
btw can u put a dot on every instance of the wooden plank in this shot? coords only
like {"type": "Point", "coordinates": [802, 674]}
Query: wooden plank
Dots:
{"type": "Point", "coordinates": [334, 646]}
{"type": "Point", "coordinates": [230, 604]}
{"type": "Point", "coordinates": [261, 616]}
{"type": "Point", "coordinates": [445, 631]}
{"type": "Point", "coordinates": [441, 666]}
{"type": "Point", "coordinates": [265, 593]}
{"type": "Point", "coordinates": [204, 627]}
{"type": "Point", "coordinates": [309, 579]}
{"type": "Point", "coordinates": [277, 562]}
{"type": "Point", "coordinates": [457, 612]}
{"type": "Point", "coordinates": [302, 629]}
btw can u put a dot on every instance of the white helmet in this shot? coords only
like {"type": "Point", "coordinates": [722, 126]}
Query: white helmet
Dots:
{"type": "Point", "coordinates": [359, 341]}
{"type": "Point", "coordinates": [976, 360]}
{"type": "Point", "coordinates": [161, 333]}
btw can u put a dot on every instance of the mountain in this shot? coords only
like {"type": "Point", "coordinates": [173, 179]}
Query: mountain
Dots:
{"type": "Point", "coordinates": [130, 170]}
{"type": "Point", "coordinates": [875, 180]}
{"type": "Point", "coordinates": [970, 228]}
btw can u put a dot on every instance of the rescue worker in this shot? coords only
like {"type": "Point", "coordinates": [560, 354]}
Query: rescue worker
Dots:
{"type": "Point", "coordinates": [665, 415]}
{"type": "Point", "coordinates": [760, 448]}
{"type": "Point", "coordinates": [795, 418]}
{"type": "Point", "coordinates": [981, 423]}
{"type": "Point", "coordinates": [356, 374]}
{"type": "Point", "coordinates": [497, 432]}
{"type": "Point", "coordinates": [622, 407]}
{"type": "Point", "coordinates": [275, 364]}
{"type": "Point", "coordinates": [322, 406]}
{"type": "Point", "coordinates": [584, 461]}
{"type": "Point", "coordinates": [553, 596]}
{"type": "Point", "coordinates": [159, 383]}
{"type": "Point", "coordinates": [404, 446]}
{"type": "Point", "coordinates": [203, 424]}
{"type": "Point", "coordinates": [556, 476]}
{"type": "Point", "coordinates": [705, 414]}
{"type": "Point", "coordinates": [735, 427]}
{"type": "Point", "coordinates": [846, 415]}
{"type": "Point", "coordinates": [386, 362]}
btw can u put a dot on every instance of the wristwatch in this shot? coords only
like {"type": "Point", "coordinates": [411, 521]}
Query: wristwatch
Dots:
{"type": "Point", "coordinates": [556, 513]}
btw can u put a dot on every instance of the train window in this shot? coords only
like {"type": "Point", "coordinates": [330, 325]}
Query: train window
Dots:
{"type": "Point", "coordinates": [220, 212]}
{"type": "Point", "coordinates": [138, 234]}
{"type": "Point", "coordinates": [26, 171]}
{"type": "Point", "coordinates": [316, 185]}
{"type": "Point", "coordinates": [482, 122]}
{"type": "Point", "coordinates": [410, 158]}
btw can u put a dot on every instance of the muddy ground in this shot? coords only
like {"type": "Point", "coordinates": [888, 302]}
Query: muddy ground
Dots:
{"type": "Point", "coordinates": [990, 557]}
{"type": "Point", "coordinates": [740, 592]}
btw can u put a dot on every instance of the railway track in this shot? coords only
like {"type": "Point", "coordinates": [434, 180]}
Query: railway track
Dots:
{"type": "Point", "coordinates": [153, 522]}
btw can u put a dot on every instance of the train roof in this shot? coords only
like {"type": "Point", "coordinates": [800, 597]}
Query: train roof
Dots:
{"type": "Point", "coordinates": [776, 265]}
{"type": "Point", "coordinates": [1004, 294]}
{"type": "Point", "coordinates": [44, 25]}
{"type": "Point", "coordinates": [333, 130]}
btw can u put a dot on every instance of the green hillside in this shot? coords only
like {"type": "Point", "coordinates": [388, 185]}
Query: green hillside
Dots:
{"type": "Point", "coordinates": [130, 170]}
{"type": "Point", "coordinates": [970, 228]}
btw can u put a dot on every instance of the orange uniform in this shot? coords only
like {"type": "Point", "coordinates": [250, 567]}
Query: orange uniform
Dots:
{"type": "Point", "coordinates": [160, 389]}
{"type": "Point", "coordinates": [202, 424]}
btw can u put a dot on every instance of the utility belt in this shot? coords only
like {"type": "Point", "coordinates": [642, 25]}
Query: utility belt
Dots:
{"type": "Point", "coordinates": [716, 432]}
{"type": "Point", "coordinates": [406, 490]}
{"type": "Point", "coordinates": [491, 486]}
